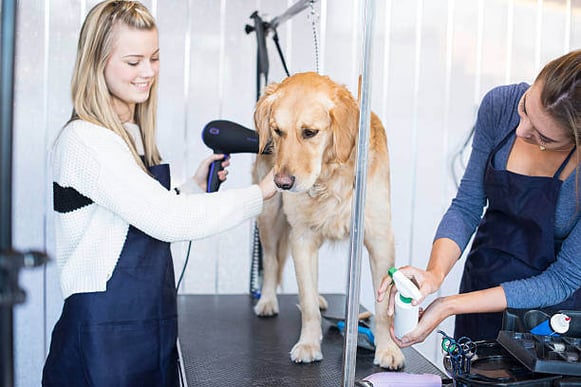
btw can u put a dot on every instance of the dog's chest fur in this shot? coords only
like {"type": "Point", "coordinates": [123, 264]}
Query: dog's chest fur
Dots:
{"type": "Point", "coordinates": [324, 210]}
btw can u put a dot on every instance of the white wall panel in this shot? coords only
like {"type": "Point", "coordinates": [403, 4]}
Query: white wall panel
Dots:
{"type": "Point", "coordinates": [432, 62]}
{"type": "Point", "coordinates": [575, 10]}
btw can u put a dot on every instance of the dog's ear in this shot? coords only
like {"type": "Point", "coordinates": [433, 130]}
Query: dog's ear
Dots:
{"type": "Point", "coordinates": [262, 115]}
{"type": "Point", "coordinates": [344, 120]}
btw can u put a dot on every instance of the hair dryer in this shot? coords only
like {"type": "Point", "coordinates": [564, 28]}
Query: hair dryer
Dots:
{"type": "Point", "coordinates": [227, 137]}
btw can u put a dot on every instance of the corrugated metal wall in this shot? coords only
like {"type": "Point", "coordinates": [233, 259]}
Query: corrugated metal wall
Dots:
{"type": "Point", "coordinates": [432, 62]}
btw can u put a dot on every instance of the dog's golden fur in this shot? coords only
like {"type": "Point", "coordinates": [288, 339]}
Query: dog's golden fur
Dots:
{"type": "Point", "coordinates": [311, 123]}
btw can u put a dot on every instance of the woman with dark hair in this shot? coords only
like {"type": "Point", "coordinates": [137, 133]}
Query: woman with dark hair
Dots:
{"type": "Point", "coordinates": [523, 173]}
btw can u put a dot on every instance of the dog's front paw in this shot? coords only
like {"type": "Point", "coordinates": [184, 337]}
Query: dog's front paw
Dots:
{"type": "Point", "coordinates": [306, 352]}
{"type": "Point", "coordinates": [266, 306]}
{"type": "Point", "coordinates": [389, 357]}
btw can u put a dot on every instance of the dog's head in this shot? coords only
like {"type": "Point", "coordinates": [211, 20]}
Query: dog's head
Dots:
{"type": "Point", "coordinates": [310, 121]}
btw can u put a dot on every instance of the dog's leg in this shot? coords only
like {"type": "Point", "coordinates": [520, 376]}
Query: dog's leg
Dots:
{"type": "Point", "coordinates": [381, 255]}
{"type": "Point", "coordinates": [273, 229]}
{"type": "Point", "coordinates": [305, 256]}
{"type": "Point", "coordinates": [323, 304]}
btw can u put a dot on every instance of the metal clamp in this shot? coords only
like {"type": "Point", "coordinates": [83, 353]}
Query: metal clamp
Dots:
{"type": "Point", "coordinates": [10, 264]}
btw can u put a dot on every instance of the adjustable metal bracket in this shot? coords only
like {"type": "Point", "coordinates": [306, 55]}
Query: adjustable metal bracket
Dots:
{"type": "Point", "coordinates": [11, 294]}
{"type": "Point", "coordinates": [10, 264]}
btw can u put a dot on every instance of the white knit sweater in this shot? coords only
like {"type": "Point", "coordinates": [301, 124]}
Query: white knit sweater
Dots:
{"type": "Point", "coordinates": [97, 164]}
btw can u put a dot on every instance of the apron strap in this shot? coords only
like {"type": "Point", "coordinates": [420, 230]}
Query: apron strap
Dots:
{"type": "Point", "coordinates": [498, 146]}
{"type": "Point", "coordinates": [558, 173]}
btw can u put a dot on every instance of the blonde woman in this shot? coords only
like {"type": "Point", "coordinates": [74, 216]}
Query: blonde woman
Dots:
{"type": "Point", "coordinates": [116, 214]}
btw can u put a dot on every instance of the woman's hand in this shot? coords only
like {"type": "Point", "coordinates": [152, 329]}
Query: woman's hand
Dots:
{"type": "Point", "coordinates": [489, 300]}
{"type": "Point", "coordinates": [430, 318]}
{"type": "Point", "coordinates": [421, 277]}
{"type": "Point", "coordinates": [201, 175]}
{"type": "Point", "coordinates": [267, 186]}
{"type": "Point", "coordinates": [426, 280]}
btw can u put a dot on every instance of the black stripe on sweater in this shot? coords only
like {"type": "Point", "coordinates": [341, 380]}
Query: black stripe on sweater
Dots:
{"type": "Point", "coordinates": [68, 199]}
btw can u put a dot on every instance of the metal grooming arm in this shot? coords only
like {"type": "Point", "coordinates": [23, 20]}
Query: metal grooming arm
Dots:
{"type": "Point", "coordinates": [297, 7]}
{"type": "Point", "coordinates": [262, 66]}
{"type": "Point", "coordinates": [262, 29]}
{"type": "Point", "coordinates": [10, 261]}
{"type": "Point", "coordinates": [357, 221]}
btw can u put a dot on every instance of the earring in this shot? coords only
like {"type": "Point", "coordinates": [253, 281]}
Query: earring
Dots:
{"type": "Point", "coordinates": [542, 147]}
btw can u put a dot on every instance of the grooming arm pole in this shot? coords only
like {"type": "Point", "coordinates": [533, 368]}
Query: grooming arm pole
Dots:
{"type": "Point", "coordinates": [6, 100]}
{"type": "Point", "coordinates": [10, 261]}
{"type": "Point", "coordinates": [358, 211]}
{"type": "Point", "coordinates": [261, 29]}
{"type": "Point", "coordinates": [297, 7]}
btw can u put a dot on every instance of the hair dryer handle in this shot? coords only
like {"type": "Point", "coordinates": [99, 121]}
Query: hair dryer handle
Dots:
{"type": "Point", "coordinates": [213, 183]}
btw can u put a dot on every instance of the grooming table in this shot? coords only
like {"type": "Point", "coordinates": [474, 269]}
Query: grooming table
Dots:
{"type": "Point", "coordinates": [223, 343]}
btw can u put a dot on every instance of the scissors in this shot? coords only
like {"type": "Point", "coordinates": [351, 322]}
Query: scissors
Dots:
{"type": "Point", "coordinates": [459, 354]}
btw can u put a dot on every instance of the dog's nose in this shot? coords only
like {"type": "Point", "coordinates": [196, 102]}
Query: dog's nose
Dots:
{"type": "Point", "coordinates": [284, 181]}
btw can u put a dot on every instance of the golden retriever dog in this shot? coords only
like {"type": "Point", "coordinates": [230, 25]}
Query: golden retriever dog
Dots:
{"type": "Point", "coordinates": [311, 124]}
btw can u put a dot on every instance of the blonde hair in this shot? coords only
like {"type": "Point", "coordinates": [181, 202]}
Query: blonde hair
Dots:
{"type": "Point", "coordinates": [90, 94]}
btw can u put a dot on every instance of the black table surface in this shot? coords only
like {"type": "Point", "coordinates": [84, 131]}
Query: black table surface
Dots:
{"type": "Point", "coordinates": [223, 343]}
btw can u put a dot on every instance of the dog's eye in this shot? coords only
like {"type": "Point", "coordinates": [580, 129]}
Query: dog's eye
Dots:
{"type": "Point", "coordinates": [308, 133]}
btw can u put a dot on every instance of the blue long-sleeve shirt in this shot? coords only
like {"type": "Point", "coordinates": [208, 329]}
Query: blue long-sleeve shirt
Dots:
{"type": "Point", "coordinates": [497, 115]}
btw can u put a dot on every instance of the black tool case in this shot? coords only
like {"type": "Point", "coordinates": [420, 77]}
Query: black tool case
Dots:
{"type": "Point", "coordinates": [549, 355]}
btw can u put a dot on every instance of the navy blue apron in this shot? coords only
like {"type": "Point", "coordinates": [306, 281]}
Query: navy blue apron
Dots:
{"type": "Point", "coordinates": [125, 336]}
{"type": "Point", "coordinates": [515, 240]}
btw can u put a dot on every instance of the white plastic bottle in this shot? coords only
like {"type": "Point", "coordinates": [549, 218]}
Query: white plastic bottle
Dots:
{"type": "Point", "coordinates": [406, 315]}
{"type": "Point", "coordinates": [557, 325]}
{"type": "Point", "coordinates": [560, 323]}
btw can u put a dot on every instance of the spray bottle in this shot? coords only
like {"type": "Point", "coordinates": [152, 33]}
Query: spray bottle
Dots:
{"type": "Point", "coordinates": [406, 315]}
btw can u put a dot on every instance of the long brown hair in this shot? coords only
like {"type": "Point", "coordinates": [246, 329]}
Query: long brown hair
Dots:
{"type": "Point", "coordinates": [90, 94]}
{"type": "Point", "coordinates": [561, 97]}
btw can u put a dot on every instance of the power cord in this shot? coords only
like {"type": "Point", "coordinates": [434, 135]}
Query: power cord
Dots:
{"type": "Point", "coordinates": [185, 265]}
{"type": "Point", "coordinates": [180, 370]}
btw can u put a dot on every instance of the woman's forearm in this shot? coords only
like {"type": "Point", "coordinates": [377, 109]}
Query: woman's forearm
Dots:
{"type": "Point", "coordinates": [480, 301]}
{"type": "Point", "coordinates": [445, 253]}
